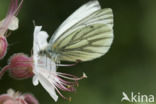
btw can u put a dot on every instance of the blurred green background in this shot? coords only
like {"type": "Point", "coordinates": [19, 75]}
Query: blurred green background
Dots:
{"type": "Point", "coordinates": [130, 65]}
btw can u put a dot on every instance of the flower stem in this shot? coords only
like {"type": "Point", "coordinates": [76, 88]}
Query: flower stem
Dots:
{"type": "Point", "coordinates": [4, 70]}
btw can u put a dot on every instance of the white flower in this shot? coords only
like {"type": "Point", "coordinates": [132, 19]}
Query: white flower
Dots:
{"type": "Point", "coordinates": [45, 69]}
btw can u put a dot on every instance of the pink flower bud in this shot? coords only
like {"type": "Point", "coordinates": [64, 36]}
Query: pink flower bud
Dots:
{"type": "Point", "coordinates": [17, 98]}
{"type": "Point", "coordinates": [3, 46]}
{"type": "Point", "coordinates": [20, 66]}
{"type": "Point", "coordinates": [30, 99]}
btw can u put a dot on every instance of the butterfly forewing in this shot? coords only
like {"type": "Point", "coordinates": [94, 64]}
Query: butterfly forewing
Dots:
{"type": "Point", "coordinates": [84, 11]}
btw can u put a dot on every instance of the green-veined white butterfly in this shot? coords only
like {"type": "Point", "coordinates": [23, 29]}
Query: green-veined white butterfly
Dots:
{"type": "Point", "coordinates": [85, 35]}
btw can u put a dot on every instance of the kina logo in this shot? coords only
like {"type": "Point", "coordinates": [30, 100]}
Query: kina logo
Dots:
{"type": "Point", "coordinates": [137, 97]}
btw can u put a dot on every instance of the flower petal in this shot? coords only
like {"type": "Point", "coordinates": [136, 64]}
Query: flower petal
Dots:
{"type": "Point", "coordinates": [46, 63]}
{"type": "Point", "coordinates": [42, 39]}
{"type": "Point", "coordinates": [14, 24]}
{"type": "Point", "coordinates": [35, 42]}
{"type": "Point", "coordinates": [47, 83]}
{"type": "Point", "coordinates": [36, 47]}
{"type": "Point", "coordinates": [35, 80]}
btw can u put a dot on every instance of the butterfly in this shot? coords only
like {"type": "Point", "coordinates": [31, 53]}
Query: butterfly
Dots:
{"type": "Point", "coordinates": [85, 35]}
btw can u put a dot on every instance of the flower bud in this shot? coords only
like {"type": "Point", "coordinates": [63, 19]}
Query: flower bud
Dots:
{"type": "Point", "coordinates": [30, 99]}
{"type": "Point", "coordinates": [13, 97]}
{"type": "Point", "coordinates": [20, 66]}
{"type": "Point", "coordinates": [3, 46]}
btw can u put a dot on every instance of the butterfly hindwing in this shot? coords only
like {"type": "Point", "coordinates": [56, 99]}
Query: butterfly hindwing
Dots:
{"type": "Point", "coordinates": [85, 44]}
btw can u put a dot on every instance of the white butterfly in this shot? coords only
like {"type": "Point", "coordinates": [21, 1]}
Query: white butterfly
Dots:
{"type": "Point", "coordinates": [87, 34]}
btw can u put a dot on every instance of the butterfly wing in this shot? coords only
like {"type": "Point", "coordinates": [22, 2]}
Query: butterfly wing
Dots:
{"type": "Point", "coordinates": [88, 38]}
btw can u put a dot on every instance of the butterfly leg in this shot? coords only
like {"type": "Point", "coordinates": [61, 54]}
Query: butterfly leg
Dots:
{"type": "Point", "coordinates": [78, 61]}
